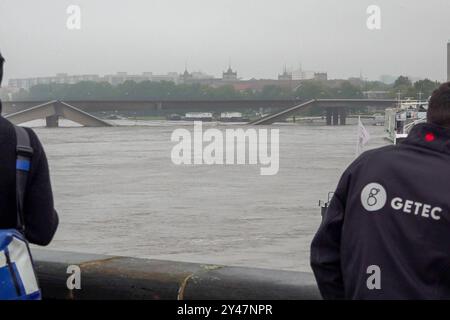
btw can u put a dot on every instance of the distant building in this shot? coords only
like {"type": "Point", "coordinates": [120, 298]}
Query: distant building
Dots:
{"type": "Point", "coordinates": [60, 78]}
{"type": "Point", "coordinates": [376, 94]}
{"type": "Point", "coordinates": [146, 76]}
{"type": "Point", "coordinates": [6, 93]}
{"type": "Point", "coordinates": [186, 76]}
{"type": "Point", "coordinates": [229, 75]}
{"type": "Point", "coordinates": [197, 77]}
{"type": "Point", "coordinates": [321, 76]}
{"type": "Point", "coordinates": [285, 75]}
{"type": "Point", "coordinates": [256, 85]}
{"type": "Point", "coordinates": [170, 77]}
{"type": "Point", "coordinates": [114, 79]}
{"type": "Point", "coordinates": [301, 74]}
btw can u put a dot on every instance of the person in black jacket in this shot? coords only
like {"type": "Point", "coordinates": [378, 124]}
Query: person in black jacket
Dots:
{"type": "Point", "coordinates": [386, 233]}
{"type": "Point", "coordinates": [41, 219]}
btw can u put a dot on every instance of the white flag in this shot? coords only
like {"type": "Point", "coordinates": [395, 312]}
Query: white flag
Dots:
{"type": "Point", "coordinates": [363, 137]}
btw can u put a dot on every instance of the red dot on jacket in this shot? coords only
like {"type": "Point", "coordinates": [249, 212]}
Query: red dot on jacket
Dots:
{"type": "Point", "coordinates": [429, 137]}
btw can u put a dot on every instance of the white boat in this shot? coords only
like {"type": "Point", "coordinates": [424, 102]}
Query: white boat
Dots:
{"type": "Point", "coordinates": [199, 116]}
{"type": "Point", "coordinates": [232, 117]}
{"type": "Point", "coordinates": [379, 120]}
{"type": "Point", "coordinates": [400, 120]}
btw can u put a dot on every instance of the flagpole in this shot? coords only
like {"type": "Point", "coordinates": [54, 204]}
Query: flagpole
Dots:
{"type": "Point", "coordinates": [358, 135]}
{"type": "Point", "coordinates": [363, 137]}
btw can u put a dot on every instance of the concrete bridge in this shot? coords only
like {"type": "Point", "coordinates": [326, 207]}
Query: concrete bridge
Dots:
{"type": "Point", "coordinates": [53, 110]}
{"type": "Point", "coordinates": [183, 106]}
{"type": "Point", "coordinates": [161, 106]}
{"type": "Point", "coordinates": [336, 109]}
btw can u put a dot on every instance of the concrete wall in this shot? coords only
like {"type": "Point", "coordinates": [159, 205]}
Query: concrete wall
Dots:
{"type": "Point", "coordinates": [111, 277]}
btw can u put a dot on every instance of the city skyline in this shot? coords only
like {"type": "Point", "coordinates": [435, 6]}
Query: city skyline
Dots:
{"type": "Point", "coordinates": [285, 74]}
{"type": "Point", "coordinates": [229, 76]}
{"type": "Point", "coordinates": [198, 73]}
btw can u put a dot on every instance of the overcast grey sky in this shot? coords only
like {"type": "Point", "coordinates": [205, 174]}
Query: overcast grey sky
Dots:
{"type": "Point", "coordinates": [257, 36]}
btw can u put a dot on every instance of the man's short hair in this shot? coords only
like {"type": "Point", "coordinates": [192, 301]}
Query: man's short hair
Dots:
{"type": "Point", "coordinates": [439, 106]}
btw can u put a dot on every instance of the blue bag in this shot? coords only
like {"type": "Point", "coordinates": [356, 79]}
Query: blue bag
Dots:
{"type": "Point", "coordinates": [17, 277]}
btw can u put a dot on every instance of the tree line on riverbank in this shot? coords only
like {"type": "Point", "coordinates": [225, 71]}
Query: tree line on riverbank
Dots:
{"type": "Point", "coordinates": [148, 90]}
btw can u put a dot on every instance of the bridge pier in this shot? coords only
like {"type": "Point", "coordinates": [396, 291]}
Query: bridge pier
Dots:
{"type": "Point", "coordinates": [52, 121]}
{"type": "Point", "coordinates": [336, 116]}
{"type": "Point", "coordinates": [329, 116]}
{"type": "Point", "coordinates": [332, 117]}
{"type": "Point", "coordinates": [343, 116]}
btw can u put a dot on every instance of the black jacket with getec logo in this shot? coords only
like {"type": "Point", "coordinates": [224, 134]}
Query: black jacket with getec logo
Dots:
{"type": "Point", "coordinates": [390, 213]}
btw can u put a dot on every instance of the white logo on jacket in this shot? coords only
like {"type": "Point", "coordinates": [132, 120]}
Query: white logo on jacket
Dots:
{"type": "Point", "coordinates": [374, 198]}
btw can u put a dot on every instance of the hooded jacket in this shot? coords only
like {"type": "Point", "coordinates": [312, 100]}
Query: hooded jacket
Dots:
{"type": "Point", "coordinates": [41, 219]}
{"type": "Point", "coordinates": [386, 233]}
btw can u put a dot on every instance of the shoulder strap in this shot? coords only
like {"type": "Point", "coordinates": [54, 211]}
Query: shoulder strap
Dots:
{"type": "Point", "coordinates": [24, 153]}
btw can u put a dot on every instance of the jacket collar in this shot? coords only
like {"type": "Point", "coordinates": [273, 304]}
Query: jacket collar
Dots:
{"type": "Point", "coordinates": [430, 136]}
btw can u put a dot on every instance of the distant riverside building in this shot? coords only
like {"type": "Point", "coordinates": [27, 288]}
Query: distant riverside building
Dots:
{"type": "Point", "coordinates": [321, 76]}
{"type": "Point", "coordinates": [115, 79]}
{"type": "Point", "coordinates": [285, 75]}
{"type": "Point", "coordinates": [118, 78]}
{"type": "Point", "coordinates": [171, 76]}
{"type": "Point", "coordinates": [27, 83]}
{"type": "Point", "coordinates": [196, 77]}
{"type": "Point", "coordinates": [259, 84]}
{"type": "Point", "coordinates": [6, 93]}
{"type": "Point", "coordinates": [376, 94]}
{"type": "Point", "coordinates": [186, 76]}
{"type": "Point", "coordinates": [229, 75]}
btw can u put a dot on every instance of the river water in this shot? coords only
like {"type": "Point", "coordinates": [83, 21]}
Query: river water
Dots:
{"type": "Point", "coordinates": [117, 192]}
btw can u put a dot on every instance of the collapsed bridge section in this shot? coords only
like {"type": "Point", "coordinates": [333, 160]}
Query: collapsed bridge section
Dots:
{"type": "Point", "coordinates": [52, 111]}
